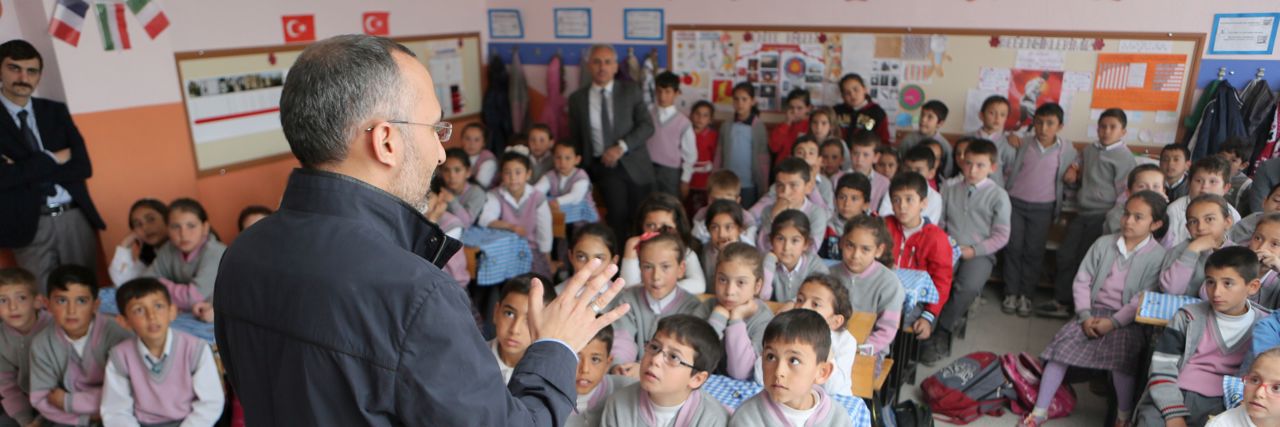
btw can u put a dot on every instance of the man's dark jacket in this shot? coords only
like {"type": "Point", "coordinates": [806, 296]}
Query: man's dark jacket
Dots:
{"type": "Point", "coordinates": [22, 183]}
{"type": "Point", "coordinates": [333, 311]}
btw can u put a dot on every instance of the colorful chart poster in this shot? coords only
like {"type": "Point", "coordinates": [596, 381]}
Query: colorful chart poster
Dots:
{"type": "Point", "coordinates": [1139, 82]}
{"type": "Point", "coordinates": [1028, 90]}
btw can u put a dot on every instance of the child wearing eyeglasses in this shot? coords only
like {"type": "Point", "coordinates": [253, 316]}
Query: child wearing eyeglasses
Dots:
{"type": "Point", "coordinates": [1261, 395]}
{"type": "Point", "coordinates": [677, 362]}
{"type": "Point", "coordinates": [1203, 342]}
{"type": "Point", "coordinates": [797, 348]}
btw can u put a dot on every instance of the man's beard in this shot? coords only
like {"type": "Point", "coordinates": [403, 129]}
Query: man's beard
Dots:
{"type": "Point", "coordinates": [412, 183]}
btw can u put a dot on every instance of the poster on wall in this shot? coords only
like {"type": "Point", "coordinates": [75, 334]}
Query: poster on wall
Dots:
{"type": "Point", "coordinates": [1243, 33]}
{"type": "Point", "coordinates": [505, 24]}
{"type": "Point", "coordinates": [1028, 90]}
{"type": "Point", "coordinates": [776, 69]}
{"type": "Point", "coordinates": [573, 23]}
{"type": "Point", "coordinates": [234, 105]}
{"type": "Point", "coordinates": [1139, 82]}
{"type": "Point", "coordinates": [642, 24]}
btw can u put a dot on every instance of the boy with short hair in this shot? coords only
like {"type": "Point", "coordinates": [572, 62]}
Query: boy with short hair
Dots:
{"type": "Point", "coordinates": [566, 183]}
{"type": "Point", "coordinates": [919, 160]}
{"type": "Point", "coordinates": [1175, 159]}
{"type": "Point", "coordinates": [68, 361]}
{"type": "Point", "coordinates": [832, 151]}
{"type": "Point", "coordinates": [21, 308]}
{"type": "Point", "coordinates": [783, 136]}
{"type": "Point", "coordinates": [541, 141]}
{"type": "Point", "coordinates": [1036, 194]}
{"type": "Point", "coordinates": [594, 385]}
{"type": "Point", "coordinates": [1204, 342]}
{"type": "Point", "coordinates": [1237, 152]}
{"type": "Point", "coordinates": [994, 113]}
{"type": "Point", "coordinates": [851, 200]}
{"type": "Point", "coordinates": [676, 363]}
{"type": "Point", "coordinates": [862, 153]}
{"type": "Point", "coordinates": [977, 216]}
{"type": "Point", "coordinates": [1210, 175]}
{"type": "Point", "coordinates": [919, 244]}
{"type": "Point", "coordinates": [723, 185]}
{"type": "Point", "coordinates": [164, 376]}
{"type": "Point", "coordinates": [673, 147]}
{"type": "Point", "coordinates": [793, 184]}
{"type": "Point", "coordinates": [933, 114]}
{"type": "Point", "coordinates": [795, 361]}
{"type": "Point", "coordinates": [1100, 173]}
{"type": "Point", "coordinates": [511, 323]}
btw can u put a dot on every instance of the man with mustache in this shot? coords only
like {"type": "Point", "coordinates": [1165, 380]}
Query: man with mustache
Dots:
{"type": "Point", "coordinates": [46, 215]}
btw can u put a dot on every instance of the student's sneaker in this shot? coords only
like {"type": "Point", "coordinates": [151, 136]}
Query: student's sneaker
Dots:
{"type": "Point", "coordinates": [1024, 306]}
{"type": "Point", "coordinates": [1054, 310]}
{"type": "Point", "coordinates": [935, 349]}
{"type": "Point", "coordinates": [1010, 304]}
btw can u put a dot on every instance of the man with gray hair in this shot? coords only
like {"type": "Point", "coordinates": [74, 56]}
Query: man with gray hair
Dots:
{"type": "Point", "coordinates": [610, 124]}
{"type": "Point", "coordinates": [334, 311]}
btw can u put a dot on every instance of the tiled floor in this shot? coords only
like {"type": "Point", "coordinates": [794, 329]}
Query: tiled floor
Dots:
{"type": "Point", "coordinates": [991, 330]}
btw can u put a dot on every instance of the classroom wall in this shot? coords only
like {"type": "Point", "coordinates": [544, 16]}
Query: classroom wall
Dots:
{"type": "Point", "coordinates": [127, 104]}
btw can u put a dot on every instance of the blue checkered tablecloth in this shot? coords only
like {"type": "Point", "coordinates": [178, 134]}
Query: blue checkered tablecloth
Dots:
{"type": "Point", "coordinates": [1232, 391]}
{"type": "Point", "coordinates": [733, 393]}
{"type": "Point", "coordinates": [1156, 305]}
{"type": "Point", "coordinates": [918, 286]}
{"type": "Point", "coordinates": [579, 212]}
{"type": "Point", "coordinates": [185, 321]}
{"type": "Point", "coordinates": [503, 254]}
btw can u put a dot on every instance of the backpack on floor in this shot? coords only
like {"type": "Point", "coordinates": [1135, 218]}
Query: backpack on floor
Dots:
{"type": "Point", "coordinates": [912, 414]}
{"type": "Point", "coordinates": [970, 387]}
{"type": "Point", "coordinates": [1024, 371]}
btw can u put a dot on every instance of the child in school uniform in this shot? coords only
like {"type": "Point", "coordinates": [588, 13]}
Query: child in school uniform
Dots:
{"type": "Point", "coordinates": [517, 207]}
{"type": "Point", "coordinates": [736, 312]}
{"type": "Point", "coordinates": [1207, 220]}
{"type": "Point", "coordinates": [962, 145]}
{"type": "Point", "coordinates": [796, 363]}
{"type": "Point", "coordinates": [68, 359]}
{"type": "Point", "coordinates": [1036, 197]}
{"type": "Point", "coordinates": [541, 142]}
{"type": "Point", "coordinates": [1265, 242]}
{"type": "Point", "coordinates": [163, 377]}
{"type": "Point", "coordinates": [589, 242]}
{"type": "Point", "coordinates": [858, 114]}
{"type": "Point", "coordinates": [783, 136]}
{"type": "Point", "coordinates": [1237, 153]}
{"type": "Point", "coordinates": [922, 161]}
{"type": "Point", "coordinates": [438, 213]}
{"type": "Point", "coordinates": [1117, 269]}
{"type": "Point", "coordinates": [566, 183]}
{"type": "Point", "coordinates": [994, 113]}
{"type": "Point", "coordinates": [1145, 177]}
{"type": "Point", "coordinates": [823, 127]}
{"type": "Point", "coordinates": [250, 215]}
{"type": "Point", "coordinates": [833, 159]}
{"type": "Point", "coordinates": [806, 148]}
{"type": "Point", "coordinates": [1261, 387]}
{"type": "Point", "coordinates": [1210, 175]}
{"type": "Point", "coordinates": [484, 164]}
{"type": "Point", "coordinates": [1175, 160]}
{"type": "Point", "coordinates": [919, 244]}
{"type": "Point", "coordinates": [188, 264]}
{"type": "Point", "coordinates": [823, 293]}
{"type": "Point", "coordinates": [887, 161]}
{"type": "Point", "coordinates": [24, 317]}
{"type": "Point", "coordinates": [593, 385]}
{"type": "Point", "coordinates": [744, 145]}
{"type": "Point", "coordinates": [662, 255]}
{"type": "Point", "coordinates": [511, 324]}
{"type": "Point", "coordinates": [794, 184]}
{"type": "Point", "coordinates": [148, 231]}
{"type": "Point", "coordinates": [465, 197]}
{"type": "Point", "coordinates": [661, 211]}
{"type": "Point", "coordinates": [933, 114]}
{"type": "Point", "coordinates": [707, 139]}
{"type": "Point", "coordinates": [726, 224]}
{"type": "Point", "coordinates": [852, 194]}
{"type": "Point", "coordinates": [723, 185]}
{"type": "Point", "coordinates": [977, 214]}
{"type": "Point", "coordinates": [1242, 230]}
{"type": "Point", "coordinates": [682, 354]}
{"type": "Point", "coordinates": [790, 259]}
{"type": "Point", "coordinates": [1204, 342]}
{"type": "Point", "coordinates": [862, 151]}
{"type": "Point", "coordinates": [673, 146]}
{"type": "Point", "coordinates": [1099, 174]}
{"type": "Point", "coordinates": [873, 287]}
{"type": "Point", "coordinates": [936, 148]}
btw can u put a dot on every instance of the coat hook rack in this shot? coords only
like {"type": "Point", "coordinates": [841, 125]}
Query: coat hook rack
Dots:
{"type": "Point", "coordinates": [1261, 72]}
{"type": "Point", "coordinates": [1223, 72]}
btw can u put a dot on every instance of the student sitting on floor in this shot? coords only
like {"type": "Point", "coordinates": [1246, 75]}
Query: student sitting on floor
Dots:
{"type": "Point", "coordinates": [796, 362]}
{"type": "Point", "coordinates": [790, 259]}
{"type": "Point", "coordinates": [188, 264]}
{"type": "Point", "coordinates": [725, 221]}
{"type": "Point", "coordinates": [873, 287]}
{"type": "Point", "coordinates": [677, 361]}
{"type": "Point", "coordinates": [24, 317]}
{"type": "Point", "coordinates": [825, 295]}
{"type": "Point", "coordinates": [1182, 271]}
{"type": "Point", "coordinates": [737, 313]}
{"type": "Point", "coordinates": [594, 386]}
{"type": "Point", "coordinates": [658, 296]}
{"type": "Point", "coordinates": [658, 212]}
{"type": "Point", "coordinates": [510, 321]}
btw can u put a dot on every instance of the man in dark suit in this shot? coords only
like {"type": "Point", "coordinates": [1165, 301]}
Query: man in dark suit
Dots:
{"type": "Point", "coordinates": [610, 124]}
{"type": "Point", "coordinates": [46, 214]}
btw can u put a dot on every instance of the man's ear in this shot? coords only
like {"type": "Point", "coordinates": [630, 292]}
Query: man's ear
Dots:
{"type": "Point", "coordinates": [383, 147]}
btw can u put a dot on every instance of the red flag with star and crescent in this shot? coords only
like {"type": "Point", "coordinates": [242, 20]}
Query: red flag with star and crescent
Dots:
{"type": "Point", "coordinates": [299, 28]}
{"type": "Point", "coordinates": [377, 23]}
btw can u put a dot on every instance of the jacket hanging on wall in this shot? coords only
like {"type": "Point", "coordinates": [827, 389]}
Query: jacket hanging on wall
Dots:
{"type": "Point", "coordinates": [1221, 121]}
{"type": "Point", "coordinates": [1255, 101]}
{"type": "Point", "coordinates": [1192, 122]}
{"type": "Point", "coordinates": [553, 109]}
{"type": "Point", "coordinates": [495, 111]}
{"type": "Point", "coordinates": [519, 95]}
{"type": "Point", "coordinates": [1266, 137]}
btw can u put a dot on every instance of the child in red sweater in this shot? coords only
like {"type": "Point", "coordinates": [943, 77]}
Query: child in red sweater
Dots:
{"type": "Point", "coordinates": [707, 138]}
{"type": "Point", "coordinates": [918, 244]}
{"type": "Point", "coordinates": [784, 134]}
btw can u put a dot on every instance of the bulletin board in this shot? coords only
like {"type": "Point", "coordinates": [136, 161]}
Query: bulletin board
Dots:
{"type": "Point", "coordinates": [1150, 75]}
{"type": "Point", "coordinates": [232, 97]}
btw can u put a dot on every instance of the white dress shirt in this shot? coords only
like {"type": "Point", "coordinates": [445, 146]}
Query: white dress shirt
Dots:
{"type": "Point", "coordinates": [493, 212]}
{"type": "Point", "coordinates": [60, 195]}
{"type": "Point", "coordinates": [688, 144]}
{"type": "Point", "coordinates": [117, 393]}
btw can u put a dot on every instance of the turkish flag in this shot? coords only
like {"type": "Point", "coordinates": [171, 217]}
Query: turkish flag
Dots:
{"type": "Point", "coordinates": [376, 23]}
{"type": "Point", "coordinates": [299, 28]}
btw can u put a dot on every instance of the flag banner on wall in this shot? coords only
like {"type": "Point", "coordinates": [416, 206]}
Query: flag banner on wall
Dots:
{"type": "Point", "coordinates": [299, 28]}
{"type": "Point", "coordinates": [115, 35]}
{"type": "Point", "coordinates": [377, 23]}
{"type": "Point", "coordinates": [68, 19]}
{"type": "Point", "coordinates": [150, 15]}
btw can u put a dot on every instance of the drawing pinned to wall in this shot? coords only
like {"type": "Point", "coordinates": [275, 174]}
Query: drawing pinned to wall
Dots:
{"type": "Point", "coordinates": [916, 48]}
{"type": "Point", "coordinates": [994, 79]}
{"type": "Point", "coordinates": [973, 102]}
{"type": "Point", "coordinates": [722, 92]}
{"type": "Point", "coordinates": [938, 47]}
{"type": "Point", "coordinates": [911, 97]}
{"type": "Point", "coordinates": [888, 46]}
{"type": "Point", "coordinates": [884, 81]}
{"type": "Point", "coordinates": [919, 72]}
{"type": "Point", "coordinates": [1028, 90]}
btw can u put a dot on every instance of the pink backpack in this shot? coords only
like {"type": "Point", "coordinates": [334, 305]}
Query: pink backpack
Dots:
{"type": "Point", "coordinates": [1024, 371]}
